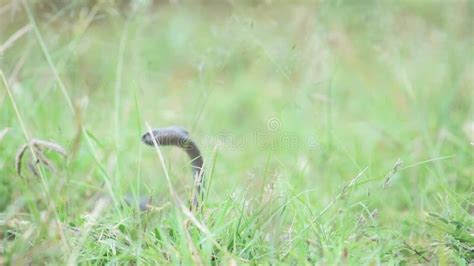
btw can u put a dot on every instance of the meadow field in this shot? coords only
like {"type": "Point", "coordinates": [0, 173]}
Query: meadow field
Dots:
{"type": "Point", "coordinates": [333, 132]}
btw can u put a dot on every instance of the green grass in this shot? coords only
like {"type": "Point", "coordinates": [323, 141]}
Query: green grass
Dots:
{"type": "Point", "coordinates": [302, 110]}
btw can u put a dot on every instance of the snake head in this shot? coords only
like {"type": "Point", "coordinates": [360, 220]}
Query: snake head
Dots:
{"type": "Point", "coordinates": [174, 135]}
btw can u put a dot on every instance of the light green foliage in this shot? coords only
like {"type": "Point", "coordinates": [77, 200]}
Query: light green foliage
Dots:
{"type": "Point", "coordinates": [302, 110]}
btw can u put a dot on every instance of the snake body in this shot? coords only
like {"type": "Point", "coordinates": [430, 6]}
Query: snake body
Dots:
{"type": "Point", "coordinates": [177, 136]}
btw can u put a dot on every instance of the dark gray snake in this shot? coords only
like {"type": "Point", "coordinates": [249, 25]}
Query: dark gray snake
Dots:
{"type": "Point", "coordinates": [176, 136]}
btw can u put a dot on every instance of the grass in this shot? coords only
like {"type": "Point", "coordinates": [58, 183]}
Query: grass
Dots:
{"type": "Point", "coordinates": [333, 132]}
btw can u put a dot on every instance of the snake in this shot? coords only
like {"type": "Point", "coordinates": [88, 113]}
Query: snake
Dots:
{"type": "Point", "coordinates": [179, 137]}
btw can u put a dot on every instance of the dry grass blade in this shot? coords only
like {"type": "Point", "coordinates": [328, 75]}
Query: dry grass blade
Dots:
{"type": "Point", "coordinates": [19, 157]}
{"type": "Point", "coordinates": [415, 251]}
{"type": "Point", "coordinates": [3, 133]}
{"type": "Point", "coordinates": [49, 145]}
{"type": "Point", "coordinates": [195, 206]}
{"type": "Point", "coordinates": [14, 75]}
{"type": "Point", "coordinates": [42, 159]}
{"type": "Point", "coordinates": [388, 177]}
{"type": "Point", "coordinates": [32, 167]}
{"type": "Point", "coordinates": [37, 147]}
{"type": "Point", "coordinates": [17, 35]}
{"type": "Point", "coordinates": [6, 8]}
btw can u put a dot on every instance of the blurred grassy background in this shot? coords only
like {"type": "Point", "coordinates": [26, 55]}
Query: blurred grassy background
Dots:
{"type": "Point", "coordinates": [289, 97]}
